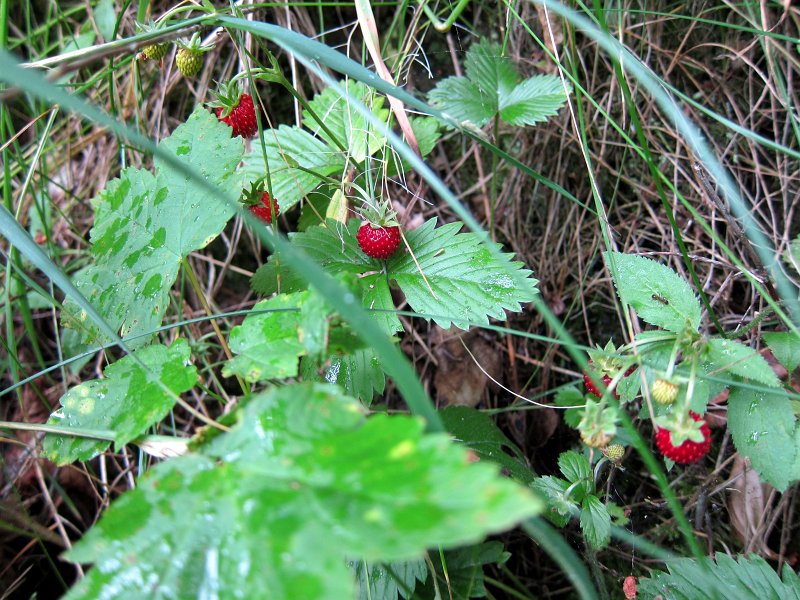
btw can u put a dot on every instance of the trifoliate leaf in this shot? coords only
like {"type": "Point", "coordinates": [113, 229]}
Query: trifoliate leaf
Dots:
{"type": "Point", "coordinates": [128, 401]}
{"type": "Point", "coordinates": [658, 295]}
{"type": "Point", "coordinates": [741, 360]}
{"type": "Point", "coordinates": [763, 428]}
{"type": "Point", "coordinates": [595, 522]}
{"type": "Point", "coordinates": [146, 224]}
{"type": "Point", "coordinates": [457, 279]}
{"type": "Point", "coordinates": [742, 578]}
{"type": "Point", "coordinates": [276, 506]}
{"type": "Point", "coordinates": [491, 88]}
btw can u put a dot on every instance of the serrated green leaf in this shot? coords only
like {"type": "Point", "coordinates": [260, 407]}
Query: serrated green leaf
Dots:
{"type": "Point", "coordinates": [743, 578]}
{"type": "Point", "coordinates": [348, 126]}
{"type": "Point", "coordinates": [595, 522]}
{"type": "Point", "coordinates": [574, 466]}
{"type": "Point", "coordinates": [332, 245]}
{"type": "Point", "coordinates": [785, 345]}
{"type": "Point", "coordinates": [287, 149]}
{"type": "Point", "coordinates": [741, 360]}
{"type": "Point", "coordinates": [489, 69]}
{"type": "Point", "coordinates": [658, 295]}
{"type": "Point", "coordinates": [533, 100]}
{"type": "Point", "coordinates": [387, 581]}
{"type": "Point", "coordinates": [559, 506]}
{"type": "Point", "coordinates": [763, 429]}
{"type": "Point", "coordinates": [146, 224]}
{"type": "Point", "coordinates": [463, 101]}
{"type": "Point", "coordinates": [377, 297]}
{"type": "Point", "coordinates": [457, 279]}
{"type": "Point", "coordinates": [478, 431]}
{"type": "Point", "coordinates": [276, 505]}
{"type": "Point", "coordinates": [128, 401]}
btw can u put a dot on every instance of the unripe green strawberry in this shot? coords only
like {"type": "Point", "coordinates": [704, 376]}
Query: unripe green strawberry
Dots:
{"type": "Point", "coordinates": [156, 51]}
{"type": "Point", "coordinates": [664, 391]}
{"type": "Point", "coordinates": [189, 61]}
{"type": "Point", "coordinates": [189, 58]}
{"type": "Point", "coordinates": [615, 452]}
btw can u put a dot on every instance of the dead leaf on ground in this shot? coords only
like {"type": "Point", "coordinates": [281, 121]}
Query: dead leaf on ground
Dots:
{"type": "Point", "coordinates": [748, 499]}
{"type": "Point", "coordinates": [458, 379]}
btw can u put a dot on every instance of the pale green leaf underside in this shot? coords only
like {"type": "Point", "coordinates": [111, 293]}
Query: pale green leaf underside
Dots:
{"type": "Point", "coordinates": [763, 429]}
{"type": "Point", "coordinates": [735, 357]}
{"type": "Point", "coordinates": [462, 100]}
{"type": "Point", "coordinates": [128, 401]}
{"type": "Point", "coordinates": [277, 505]}
{"type": "Point", "coordinates": [742, 578]}
{"type": "Point", "coordinates": [658, 295]}
{"type": "Point", "coordinates": [348, 125]}
{"type": "Point", "coordinates": [145, 224]}
{"type": "Point", "coordinates": [288, 148]}
{"type": "Point", "coordinates": [595, 521]}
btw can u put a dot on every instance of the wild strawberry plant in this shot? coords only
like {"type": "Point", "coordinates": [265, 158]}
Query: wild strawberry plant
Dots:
{"type": "Point", "coordinates": [296, 491]}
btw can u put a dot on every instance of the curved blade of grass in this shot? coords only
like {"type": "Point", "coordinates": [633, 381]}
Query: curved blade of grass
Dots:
{"type": "Point", "coordinates": [563, 554]}
{"type": "Point", "coordinates": [341, 299]}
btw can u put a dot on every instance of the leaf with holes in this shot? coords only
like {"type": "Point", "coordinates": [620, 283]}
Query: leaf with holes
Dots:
{"type": "Point", "coordinates": [130, 399]}
{"type": "Point", "coordinates": [146, 224]}
{"type": "Point", "coordinates": [278, 504]}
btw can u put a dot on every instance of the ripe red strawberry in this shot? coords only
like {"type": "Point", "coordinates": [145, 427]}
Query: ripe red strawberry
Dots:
{"type": "Point", "coordinates": [378, 241]}
{"type": "Point", "coordinates": [267, 210]}
{"type": "Point", "coordinates": [260, 204]}
{"type": "Point", "coordinates": [689, 451]}
{"type": "Point", "coordinates": [236, 108]}
{"type": "Point", "coordinates": [592, 388]}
